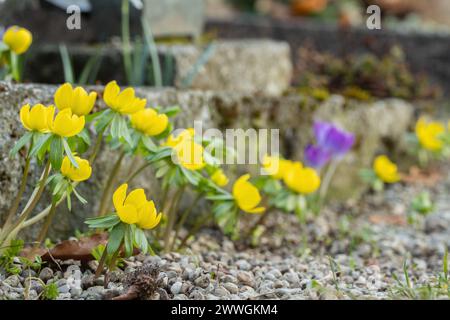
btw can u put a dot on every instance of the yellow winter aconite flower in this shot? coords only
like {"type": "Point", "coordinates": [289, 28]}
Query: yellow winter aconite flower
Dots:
{"type": "Point", "coordinates": [17, 39]}
{"type": "Point", "coordinates": [429, 133]}
{"type": "Point", "coordinates": [190, 154]}
{"type": "Point", "coordinates": [83, 172]}
{"type": "Point", "coordinates": [135, 208]}
{"type": "Point", "coordinates": [301, 179]}
{"type": "Point", "coordinates": [276, 166]}
{"type": "Point", "coordinates": [247, 195]}
{"type": "Point", "coordinates": [77, 99]}
{"type": "Point", "coordinates": [186, 134]}
{"type": "Point", "coordinates": [149, 122]}
{"type": "Point", "coordinates": [219, 178]}
{"type": "Point", "coordinates": [38, 118]}
{"type": "Point", "coordinates": [124, 102]}
{"type": "Point", "coordinates": [67, 124]}
{"type": "Point", "coordinates": [385, 169]}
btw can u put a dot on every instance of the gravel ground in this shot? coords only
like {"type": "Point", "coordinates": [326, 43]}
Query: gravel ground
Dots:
{"type": "Point", "coordinates": [352, 251]}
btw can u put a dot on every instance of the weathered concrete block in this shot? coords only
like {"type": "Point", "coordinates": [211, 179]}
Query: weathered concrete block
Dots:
{"type": "Point", "coordinates": [248, 66]}
{"type": "Point", "coordinates": [379, 127]}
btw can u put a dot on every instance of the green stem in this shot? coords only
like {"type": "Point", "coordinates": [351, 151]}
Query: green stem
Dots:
{"type": "Point", "coordinates": [15, 67]}
{"type": "Point", "coordinates": [45, 227]}
{"type": "Point", "coordinates": [101, 264]}
{"type": "Point", "coordinates": [171, 218]}
{"type": "Point", "coordinates": [32, 202]}
{"type": "Point", "coordinates": [126, 45]}
{"type": "Point", "coordinates": [137, 172]}
{"type": "Point", "coordinates": [97, 146]}
{"type": "Point", "coordinates": [23, 185]}
{"type": "Point", "coordinates": [110, 185]}
{"type": "Point", "coordinates": [183, 218]}
{"type": "Point", "coordinates": [331, 170]}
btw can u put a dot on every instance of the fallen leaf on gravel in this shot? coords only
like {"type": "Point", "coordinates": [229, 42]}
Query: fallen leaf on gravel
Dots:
{"type": "Point", "coordinates": [388, 219]}
{"type": "Point", "coordinates": [428, 178]}
{"type": "Point", "coordinates": [76, 249]}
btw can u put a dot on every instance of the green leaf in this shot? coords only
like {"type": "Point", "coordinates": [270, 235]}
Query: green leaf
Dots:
{"type": "Point", "coordinates": [115, 238]}
{"type": "Point", "coordinates": [26, 138]}
{"type": "Point", "coordinates": [141, 240]}
{"type": "Point", "coordinates": [104, 120]}
{"type": "Point", "coordinates": [171, 111]}
{"type": "Point", "coordinates": [79, 197]}
{"type": "Point", "coordinates": [190, 176]}
{"type": "Point", "coordinates": [104, 222]}
{"type": "Point", "coordinates": [69, 153]}
{"type": "Point", "coordinates": [222, 197]}
{"type": "Point", "coordinates": [162, 153]}
{"type": "Point", "coordinates": [115, 127]}
{"type": "Point", "coordinates": [128, 240]}
{"type": "Point", "coordinates": [84, 135]}
{"type": "Point", "coordinates": [93, 116]}
{"type": "Point", "coordinates": [149, 144]}
{"type": "Point", "coordinates": [124, 132]}
{"type": "Point", "coordinates": [162, 171]}
{"type": "Point", "coordinates": [41, 143]}
{"type": "Point", "coordinates": [56, 152]}
{"type": "Point", "coordinates": [67, 64]}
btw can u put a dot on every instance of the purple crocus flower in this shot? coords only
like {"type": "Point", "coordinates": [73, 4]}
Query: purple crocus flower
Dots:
{"type": "Point", "coordinates": [316, 156]}
{"type": "Point", "coordinates": [333, 139]}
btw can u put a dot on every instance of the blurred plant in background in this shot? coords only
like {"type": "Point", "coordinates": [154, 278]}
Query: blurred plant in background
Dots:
{"type": "Point", "coordinates": [15, 42]}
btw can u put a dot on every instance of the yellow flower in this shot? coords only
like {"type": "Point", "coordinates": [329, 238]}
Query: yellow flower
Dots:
{"type": "Point", "coordinates": [385, 169]}
{"type": "Point", "coordinates": [17, 39]}
{"type": "Point", "coordinates": [76, 99]}
{"type": "Point", "coordinates": [67, 124]}
{"type": "Point", "coordinates": [124, 102]}
{"type": "Point", "coordinates": [135, 208]}
{"type": "Point", "coordinates": [428, 134]}
{"type": "Point", "coordinates": [185, 134]}
{"type": "Point", "coordinates": [190, 154]}
{"type": "Point", "coordinates": [83, 172]}
{"type": "Point", "coordinates": [276, 166]}
{"type": "Point", "coordinates": [149, 122]}
{"type": "Point", "coordinates": [219, 178]}
{"type": "Point", "coordinates": [301, 179]}
{"type": "Point", "coordinates": [39, 118]}
{"type": "Point", "coordinates": [247, 195]}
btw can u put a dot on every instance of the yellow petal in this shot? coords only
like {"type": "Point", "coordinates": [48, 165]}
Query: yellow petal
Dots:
{"type": "Point", "coordinates": [17, 39]}
{"type": "Point", "coordinates": [148, 217]}
{"type": "Point", "coordinates": [25, 116]}
{"type": "Point", "coordinates": [110, 94]}
{"type": "Point", "coordinates": [136, 198]}
{"type": "Point", "coordinates": [63, 96]}
{"type": "Point", "coordinates": [128, 214]}
{"type": "Point", "coordinates": [119, 196]}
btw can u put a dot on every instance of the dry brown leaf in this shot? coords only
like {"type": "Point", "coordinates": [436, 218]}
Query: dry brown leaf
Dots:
{"type": "Point", "coordinates": [396, 220]}
{"type": "Point", "coordinates": [427, 178]}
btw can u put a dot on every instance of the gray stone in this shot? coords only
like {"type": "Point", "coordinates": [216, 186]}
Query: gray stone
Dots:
{"type": "Point", "coordinates": [231, 287]}
{"type": "Point", "coordinates": [64, 288]}
{"type": "Point", "coordinates": [175, 17]}
{"type": "Point", "coordinates": [202, 281]}
{"type": "Point", "coordinates": [176, 288]}
{"type": "Point", "coordinates": [46, 274]}
{"type": "Point", "coordinates": [245, 278]}
{"type": "Point", "coordinates": [13, 281]}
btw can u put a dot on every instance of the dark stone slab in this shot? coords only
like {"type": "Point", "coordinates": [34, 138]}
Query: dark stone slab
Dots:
{"type": "Point", "coordinates": [426, 52]}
